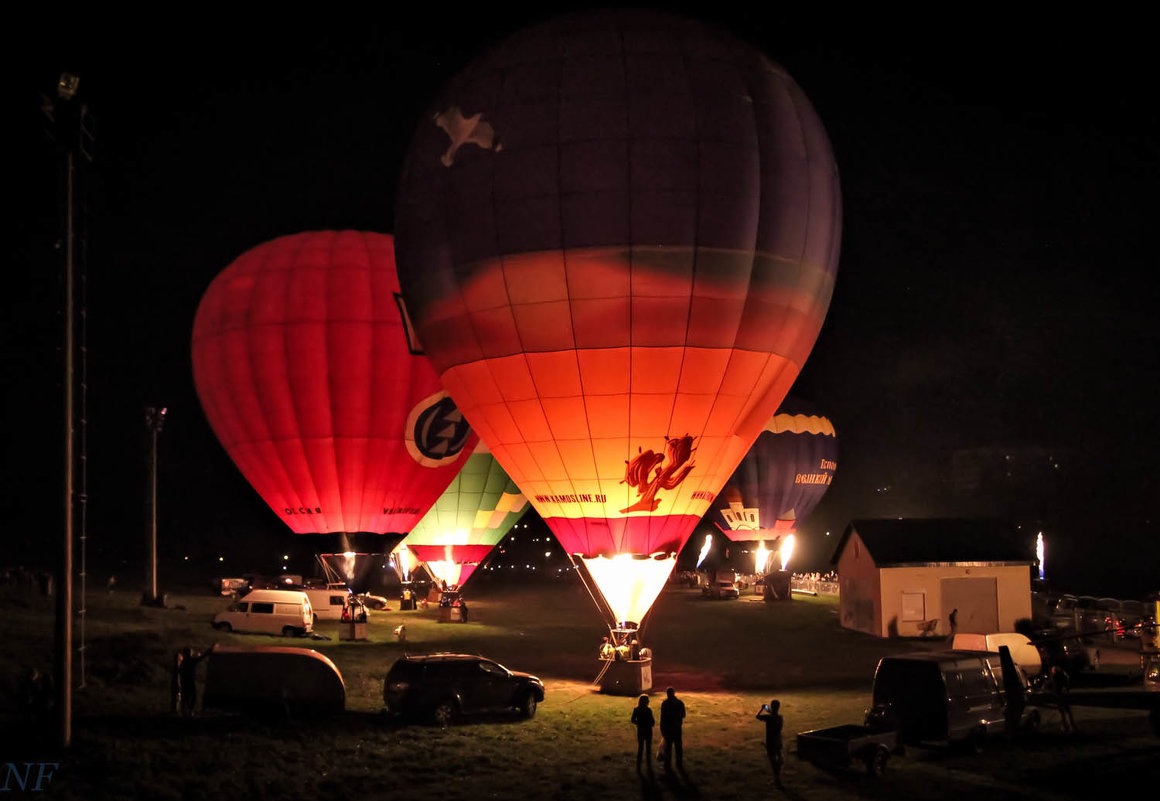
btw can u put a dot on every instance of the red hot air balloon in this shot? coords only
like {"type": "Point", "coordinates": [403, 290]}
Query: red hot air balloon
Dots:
{"type": "Point", "coordinates": [617, 236]}
{"type": "Point", "coordinates": [308, 376]}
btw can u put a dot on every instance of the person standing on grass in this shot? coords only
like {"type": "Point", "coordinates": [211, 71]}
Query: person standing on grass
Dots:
{"type": "Point", "coordinates": [774, 722]}
{"type": "Point", "coordinates": [642, 718]}
{"type": "Point", "coordinates": [672, 723]}
{"type": "Point", "coordinates": [187, 674]}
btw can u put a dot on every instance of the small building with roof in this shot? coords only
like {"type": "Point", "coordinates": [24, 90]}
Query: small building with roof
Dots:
{"type": "Point", "coordinates": [904, 577]}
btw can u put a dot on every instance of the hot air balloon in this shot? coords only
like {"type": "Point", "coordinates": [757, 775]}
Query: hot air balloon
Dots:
{"type": "Point", "coordinates": [780, 481]}
{"type": "Point", "coordinates": [313, 384]}
{"type": "Point", "coordinates": [468, 520]}
{"type": "Point", "coordinates": [617, 235]}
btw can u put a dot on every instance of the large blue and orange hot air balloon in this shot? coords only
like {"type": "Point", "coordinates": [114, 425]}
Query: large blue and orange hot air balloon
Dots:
{"type": "Point", "coordinates": [468, 520]}
{"type": "Point", "coordinates": [781, 479]}
{"type": "Point", "coordinates": [617, 235]}
{"type": "Point", "coordinates": [309, 378]}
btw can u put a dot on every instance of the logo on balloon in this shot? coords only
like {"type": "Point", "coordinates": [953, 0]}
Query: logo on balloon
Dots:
{"type": "Point", "coordinates": [651, 472]}
{"type": "Point", "coordinates": [436, 431]}
{"type": "Point", "coordinates": [473, 130]}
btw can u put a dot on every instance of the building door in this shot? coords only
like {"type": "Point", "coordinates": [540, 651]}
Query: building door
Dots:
{"type": "Point", "coordinates": [977, 600]}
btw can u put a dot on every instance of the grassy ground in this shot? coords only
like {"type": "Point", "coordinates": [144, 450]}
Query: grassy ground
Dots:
{"type": "Point", "coordinates": [724, 657]}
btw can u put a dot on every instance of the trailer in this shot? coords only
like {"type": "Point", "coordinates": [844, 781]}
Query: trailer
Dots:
{"type": "Point", "coordinates": [840, 746]}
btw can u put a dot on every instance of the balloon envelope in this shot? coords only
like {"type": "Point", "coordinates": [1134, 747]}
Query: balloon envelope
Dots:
{"type": "Point", "coordinates": [617, 236]}
{"type": "Point", "coordinates": [782, 478]}
{"type": "Point", "coordinates": [306, 372]}
{"type": "Point", "coordinates": [468, 520]}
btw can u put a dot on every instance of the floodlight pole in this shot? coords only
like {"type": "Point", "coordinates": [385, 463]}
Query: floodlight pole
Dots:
{"type": "Point", "coordinates": [64, 621]}
{"type": "Point", "coordinates": [154, 420]}
{"type": "Point", "coordinates": [67, 130]}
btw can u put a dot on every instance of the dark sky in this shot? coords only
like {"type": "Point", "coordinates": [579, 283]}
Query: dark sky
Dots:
{"type": "Point", "coordinates": [995, 287]}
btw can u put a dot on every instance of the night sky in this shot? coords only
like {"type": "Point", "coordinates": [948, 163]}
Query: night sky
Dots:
{"type": "Point", "coordinates": [996, 285]}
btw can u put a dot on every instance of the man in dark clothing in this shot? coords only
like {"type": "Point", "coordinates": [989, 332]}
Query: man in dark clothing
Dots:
{"type": "Point", "coordinates": [187, 678]}
{"type": "Point", "coordinates": [768, 714]}
{"type": "Point", "coordinates": [642, 718]}
{"type": "Point", "coordinates": [672, 721]}
{"type": "Point", "coordinates": [952, 618]}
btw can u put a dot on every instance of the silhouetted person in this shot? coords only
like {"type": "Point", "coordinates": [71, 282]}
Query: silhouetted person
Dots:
{"type": "Point", "coordinates": [672, 723]}
{"type": "Point", "coordinates": [773, 725]}
{"type": "Point", "coordinates": [37, 703]}
{"type": "Point", "coordinates": [463, 610]}
{"type": "Point", "coordinates": [187, 677]}
{"type": "Point", "coordinates": [1059, 685]}
{"type": "Point", "coordinates": [642, 718]}
{"type": "Point", "coordinates": [175, 683]}
{"type": "Point", "coordinates": [952, 618]}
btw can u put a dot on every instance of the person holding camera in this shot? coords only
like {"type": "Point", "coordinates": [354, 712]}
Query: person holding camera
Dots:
{"type": "Point", "coordinates": [774, 722]}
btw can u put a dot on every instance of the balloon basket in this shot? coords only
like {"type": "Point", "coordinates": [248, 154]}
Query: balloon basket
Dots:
{"type": "Point", "coordinates": [451, 614]}
{"type": "Point", "coordinates": [777, 586]}
{"type": "Point", "coordinates": [631, 677]}
{"type": "Point", "coordinates": [352, 631]}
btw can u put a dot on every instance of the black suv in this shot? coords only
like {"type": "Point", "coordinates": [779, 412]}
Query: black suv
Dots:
{"type": "Point", "coordinates": [446, 686]}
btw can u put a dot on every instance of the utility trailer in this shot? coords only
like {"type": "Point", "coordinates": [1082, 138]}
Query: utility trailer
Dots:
{"type": "Point", "coordinates": [840, 746]}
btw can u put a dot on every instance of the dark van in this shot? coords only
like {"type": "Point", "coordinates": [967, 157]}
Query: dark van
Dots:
{"type": "Point", "coordinates": [956, 696]}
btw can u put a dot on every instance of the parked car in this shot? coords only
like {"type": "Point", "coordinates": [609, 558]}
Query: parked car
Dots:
{"type": "Point", "coordinates": [285, 612]}
{"type": "Point", "coordinates": [373, 601]}
{"type": "Point", "coordinates": [1023, 652]}
{"type": "Point", "coordinates": [446, 687]}
{"type": "Point", "coordinates": [1127, 622]}
{"type": "Point", "coordinates": [721, 590]}
{"type": "Point", "coordinates": [1068, 651]}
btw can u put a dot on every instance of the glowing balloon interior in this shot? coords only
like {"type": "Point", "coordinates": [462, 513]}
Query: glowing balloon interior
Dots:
{"type": "Point", "coordinates": [307, 375]}
{"type": "Point", "coordinates": [468, 520]}
{"type": "Point", "coordinates": [617, 237]}
{"type": "Point", "coordinates": [629, 584]}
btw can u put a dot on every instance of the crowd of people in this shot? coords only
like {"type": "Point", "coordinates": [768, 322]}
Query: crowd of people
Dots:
{"type": "Point", "coordinates": [831, 575]}
{"type": "Point", "coordinates": [26, 581]}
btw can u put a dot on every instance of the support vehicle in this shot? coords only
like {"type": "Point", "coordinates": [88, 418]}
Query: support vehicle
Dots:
{"type": "Point", "coordinates": [445, 687]}
{"type": "Point", "coordinates": [285, 612]}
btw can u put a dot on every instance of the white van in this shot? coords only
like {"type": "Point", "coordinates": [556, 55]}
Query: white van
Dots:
{"type": "Point", "coordinates": [285, 612]}
{"type": "Point", "coordinates": [329, 601]}
{"type": "Point", "coordinates": [1023, 652]}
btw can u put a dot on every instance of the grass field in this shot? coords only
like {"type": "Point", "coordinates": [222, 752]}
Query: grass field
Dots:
{"type": "Point", "coordinates": [724, 658]}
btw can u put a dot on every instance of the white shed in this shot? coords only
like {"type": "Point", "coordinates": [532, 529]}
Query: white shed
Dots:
{"type": "Point", "coordinates": [903, 578]}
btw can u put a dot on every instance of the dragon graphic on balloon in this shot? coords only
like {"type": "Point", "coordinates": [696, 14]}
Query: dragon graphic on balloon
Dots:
{"type": "Point", "coordinates": [670, 469]}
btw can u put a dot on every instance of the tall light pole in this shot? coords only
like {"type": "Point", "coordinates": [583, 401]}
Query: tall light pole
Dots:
{"type": "Point", "coordinates": [68, 129]}
{"type": "Point", "coordinates": [154, 420]}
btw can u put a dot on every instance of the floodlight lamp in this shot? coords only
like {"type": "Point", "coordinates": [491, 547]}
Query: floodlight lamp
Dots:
{"type": "Point", "coordinates": [66, 87]}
